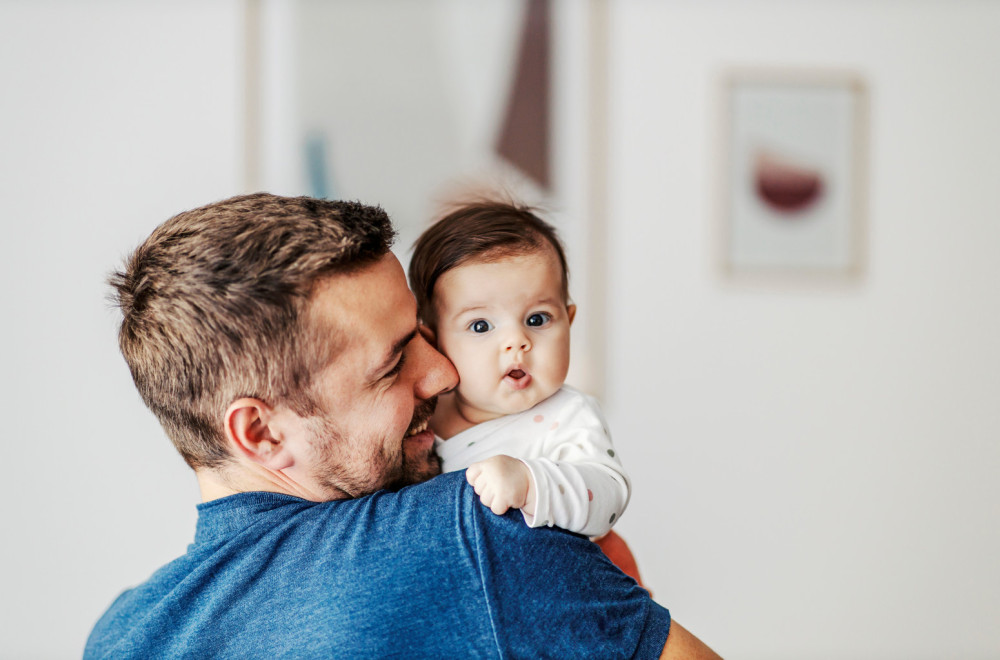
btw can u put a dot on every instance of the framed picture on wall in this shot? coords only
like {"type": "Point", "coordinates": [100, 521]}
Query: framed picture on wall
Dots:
{"type": "Point", "coordinates": [794, 173]}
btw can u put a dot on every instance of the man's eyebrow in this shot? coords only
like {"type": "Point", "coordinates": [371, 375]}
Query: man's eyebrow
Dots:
{"type": "Point", "coordinates": [394, 352]}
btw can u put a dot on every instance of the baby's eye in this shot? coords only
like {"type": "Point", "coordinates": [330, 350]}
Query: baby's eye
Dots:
{"type": "Point", "coordinates": [538, 319]}
{"type": "Point", "coordinates": [480, 326]}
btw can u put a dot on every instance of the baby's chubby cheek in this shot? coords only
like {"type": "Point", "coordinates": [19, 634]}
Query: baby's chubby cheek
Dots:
{"type": "Point", "coordinates": [471, 391]}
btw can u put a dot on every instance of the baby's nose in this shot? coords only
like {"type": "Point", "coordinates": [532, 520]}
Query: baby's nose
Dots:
{"type": "Point", "coordinates": [518, 343]}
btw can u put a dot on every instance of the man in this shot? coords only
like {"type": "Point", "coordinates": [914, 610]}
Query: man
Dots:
{"type": "Point", "coordinates": [277, 342]}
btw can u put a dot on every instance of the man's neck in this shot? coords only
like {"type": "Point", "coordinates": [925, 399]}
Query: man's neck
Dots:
{"type": "Point", "coordinates": [211, 486]}
{"type": "Point", "coordinates": [243, 478]}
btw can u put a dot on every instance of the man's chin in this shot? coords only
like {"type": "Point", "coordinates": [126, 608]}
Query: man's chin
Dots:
{"type": "Point", "coordinates": [420, 463]}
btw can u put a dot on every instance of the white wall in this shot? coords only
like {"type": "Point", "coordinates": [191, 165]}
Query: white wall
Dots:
{"type": "Point", "coordinates": [815, 469]}
{"type": "Point", "coordinates": [113, 116]}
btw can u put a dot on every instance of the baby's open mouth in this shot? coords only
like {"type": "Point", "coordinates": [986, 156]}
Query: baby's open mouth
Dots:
{"type": "Point", "coordinates": [517, 378]}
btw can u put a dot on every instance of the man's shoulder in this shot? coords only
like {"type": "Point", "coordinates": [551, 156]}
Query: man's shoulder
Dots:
{"type": "Point", "coordinates": [442, 490]}
{"type": "Point", "coordinates": [450, 499]}
{"type": "Point", "coordinates": [334, 552]}
{"type": "Point", "coordinates": [424, 506]}
{"type": "Point", "coordinates": [428, 563]}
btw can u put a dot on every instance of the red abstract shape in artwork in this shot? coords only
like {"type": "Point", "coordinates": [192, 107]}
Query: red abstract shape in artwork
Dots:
{"type": "Point", "coordinates": [784, 185]}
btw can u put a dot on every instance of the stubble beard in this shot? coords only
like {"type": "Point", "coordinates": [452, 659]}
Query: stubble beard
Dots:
{"type": "Point", "coordinates": [386, 467]}
{"type": "Point", "coordinates": [424, 465]}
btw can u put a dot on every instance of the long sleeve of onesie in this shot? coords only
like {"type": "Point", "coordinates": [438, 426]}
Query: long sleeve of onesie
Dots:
{"type": "Point", "coordinates": [579, 480]}
{"type": "Point", "coordinates": [580, 484]}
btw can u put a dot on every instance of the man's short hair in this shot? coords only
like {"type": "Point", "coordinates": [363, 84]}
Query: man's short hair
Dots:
{"type": "Point", "coordinates": [485, 230]}
{"type": "Point", "coordinates": [215, 307]}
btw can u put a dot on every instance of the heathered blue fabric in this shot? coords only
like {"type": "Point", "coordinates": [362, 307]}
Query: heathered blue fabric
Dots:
{"type": "Point", "coordinates": [426, 572]}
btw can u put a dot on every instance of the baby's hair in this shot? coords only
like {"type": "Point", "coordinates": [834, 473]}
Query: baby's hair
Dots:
{"type": "Point", "coordinates": [485, 230]}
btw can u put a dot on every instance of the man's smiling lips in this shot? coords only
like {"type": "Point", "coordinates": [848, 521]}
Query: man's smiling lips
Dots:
{"type": "Point", "coordinates": [419, 436]}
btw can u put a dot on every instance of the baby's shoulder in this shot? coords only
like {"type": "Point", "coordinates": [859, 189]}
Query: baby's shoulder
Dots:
{"type": "Point", "coordinates": [570, 408]}
{"type": "Point", "coordinates": [569, 399]}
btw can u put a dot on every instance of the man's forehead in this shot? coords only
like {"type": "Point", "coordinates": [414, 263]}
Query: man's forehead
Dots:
{"type": "Point", "coordinates": [370, 310]}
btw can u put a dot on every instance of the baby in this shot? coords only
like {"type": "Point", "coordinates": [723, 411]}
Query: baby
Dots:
{"type": "Point", "coordinates": [490, 280]}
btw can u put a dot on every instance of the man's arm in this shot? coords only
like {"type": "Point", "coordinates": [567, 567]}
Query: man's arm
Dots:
{"type": "Point", "coordinates": [682, 645]}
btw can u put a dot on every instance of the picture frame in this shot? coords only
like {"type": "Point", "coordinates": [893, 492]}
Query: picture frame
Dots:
{"type": "Point", "coordinates": [794, 174]}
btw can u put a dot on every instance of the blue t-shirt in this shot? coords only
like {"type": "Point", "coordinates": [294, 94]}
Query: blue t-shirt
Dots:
{"type": "Point", "coordinates": [426, 572]}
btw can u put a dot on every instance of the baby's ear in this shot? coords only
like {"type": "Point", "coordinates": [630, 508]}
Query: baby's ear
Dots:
{"type": "Point", "coordinates": [428, 333]}
{"type": "Point", "coordinates": [571, 311]}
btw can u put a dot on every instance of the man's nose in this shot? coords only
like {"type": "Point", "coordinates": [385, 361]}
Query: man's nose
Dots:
{"type": "Point", "coordinates": [437, 373]}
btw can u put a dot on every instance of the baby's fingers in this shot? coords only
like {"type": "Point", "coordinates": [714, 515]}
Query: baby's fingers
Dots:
{"type": "Point", "coordinates": [473, 473]}
{"type": "Point", "coordinates": [499, 506]}
{"type": "Point", "coordinates": [490, 498]}
{"type": "Point", "coordinates": [494, 498]}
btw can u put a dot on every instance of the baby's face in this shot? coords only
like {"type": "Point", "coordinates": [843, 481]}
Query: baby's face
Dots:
{"type": "Point", "coordinates": [505, 326]}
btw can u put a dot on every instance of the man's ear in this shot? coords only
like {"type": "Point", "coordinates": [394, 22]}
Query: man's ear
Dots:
{"type": "Point", "coordinates": [571, 311]}
{"type": "Point", "coordinates": [253, 433]}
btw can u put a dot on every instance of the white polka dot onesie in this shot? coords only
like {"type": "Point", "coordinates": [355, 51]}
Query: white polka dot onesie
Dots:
{"type": "Point", "coordinates": [580, 483]}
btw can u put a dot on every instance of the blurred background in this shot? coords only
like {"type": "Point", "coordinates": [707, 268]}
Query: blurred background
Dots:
{"type": "Point", "coordinates": [814, 462]}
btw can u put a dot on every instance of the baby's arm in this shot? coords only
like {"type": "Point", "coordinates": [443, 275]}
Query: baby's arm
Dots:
{"type": "Point", "coordinates": [574, 480]}
{"type": "Point", "coordinates": [580, 482]}
{"type": "Point", "coordinates": [577, 493]}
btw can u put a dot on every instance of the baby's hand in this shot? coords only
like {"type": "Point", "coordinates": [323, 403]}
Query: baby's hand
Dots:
{"type": "Point", "coordinates": [503, 483]}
